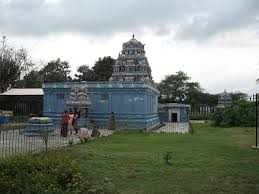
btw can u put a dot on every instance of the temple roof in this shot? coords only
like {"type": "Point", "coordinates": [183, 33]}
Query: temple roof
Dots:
{"type": "Point", "coordinates": [133, 43]}
{"type": "Point", "coordinates": [23, 92]}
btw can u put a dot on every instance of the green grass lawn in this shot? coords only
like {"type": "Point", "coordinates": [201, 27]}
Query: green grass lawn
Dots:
{"type": "Point", "coordinates": [212, 160]}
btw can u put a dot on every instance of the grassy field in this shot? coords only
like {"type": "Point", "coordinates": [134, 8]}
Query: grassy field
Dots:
{"type": "Point", "coordinates": [212, 160]}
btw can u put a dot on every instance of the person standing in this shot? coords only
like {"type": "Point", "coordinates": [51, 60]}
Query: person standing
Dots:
{"type": "Point", "coordinates": [64, 124]}
{"type": "Point", "coordinates": [112, 123]}
{"type": "Point", "coordinates": [70, 122]}
{"type": "Point", "coordinates": [75, 123]}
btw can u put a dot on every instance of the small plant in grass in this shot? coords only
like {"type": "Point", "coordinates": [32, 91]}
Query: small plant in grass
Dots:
{"type": "Point", "coordinates": [71, 141]}
{"type": "Point", "coordinates": [45, 137]}
{"type": "Point", "coordinates": [168, 157]}
{"type": "Point", "coordinates": [191, 130]}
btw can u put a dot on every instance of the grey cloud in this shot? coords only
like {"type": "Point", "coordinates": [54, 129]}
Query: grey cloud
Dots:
{"type": "Point", "coordinates": [228, 16]}
{"type": "Point", "coordinates": [36, 17]}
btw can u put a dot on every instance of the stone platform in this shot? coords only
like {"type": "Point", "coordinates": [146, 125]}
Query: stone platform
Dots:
{"type": "Point", "coordinates": [170, 127]}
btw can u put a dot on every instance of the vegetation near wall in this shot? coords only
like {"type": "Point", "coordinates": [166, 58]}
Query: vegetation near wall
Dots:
{"type": "Point", "coordinates": [28, 174]}
{"type": "Point", "coordinates": [240, 113]}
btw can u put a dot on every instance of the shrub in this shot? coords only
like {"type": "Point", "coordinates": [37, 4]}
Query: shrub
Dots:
{"type": "Point", "coordinates": [26, 174]}
{"type": "Point", "coordinates": [240, 113]}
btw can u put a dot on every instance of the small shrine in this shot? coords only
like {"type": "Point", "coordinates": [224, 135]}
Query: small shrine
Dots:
{"type": "Point", "coordinates": [176, 112]}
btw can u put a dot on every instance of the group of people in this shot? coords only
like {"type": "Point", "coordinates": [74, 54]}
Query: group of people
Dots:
{"type": "Point", "coordinates": [69, 123]}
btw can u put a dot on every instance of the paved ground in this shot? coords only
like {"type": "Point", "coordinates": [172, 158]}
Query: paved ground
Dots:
{"type": "Point", "coordinates": [197, 121]}
{"type": "Point", "coordinates": [171, 127]}
{"type": "Point", "coordinates": [14, 142]}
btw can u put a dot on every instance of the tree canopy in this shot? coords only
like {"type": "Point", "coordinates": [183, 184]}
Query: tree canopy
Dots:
{"type": "Point", "coordinates": [85, 74]}
{"type": "Point", "coordinates": [31, 80]}
{"type": "Point", "coordinates": [103, 68]}
{"type": "Point", "coordinates": [178, 88]}
{"type": "Point", "coordinates": [56, 71]}
{"type": "Point", "coordinates": [101, 71]}
{"type": "Point", "coordinates": [13, 64]}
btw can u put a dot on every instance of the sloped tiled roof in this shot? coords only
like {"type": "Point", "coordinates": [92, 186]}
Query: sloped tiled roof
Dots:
{"type": "Point", "coordinates": [23, 92]}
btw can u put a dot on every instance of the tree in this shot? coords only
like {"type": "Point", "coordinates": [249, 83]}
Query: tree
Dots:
{"type": "Point", "coordinates": [31, 80]}
{"type": "Point", "coordinates": [13, 64]}
{"type": "Point", "coordinates": [85, 74]}
{"type": "Point", "coordinates": [202, 99]}
{"type": "Point", "coordinates": [103, 68]}
{"type": "Point", "coordinates": [177, 88]}
{"type": "Point", "coordinates": [56, 71]}
{"type": "Point", "coordinates": [236, 96]}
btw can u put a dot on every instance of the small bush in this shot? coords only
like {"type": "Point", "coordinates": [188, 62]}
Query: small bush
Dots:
{"type": "Point", "coordinates": [167, 157]}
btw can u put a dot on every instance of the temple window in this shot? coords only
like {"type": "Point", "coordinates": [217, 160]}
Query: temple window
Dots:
{"type": "Point", "coordinates": [104, 96]}
{"type": "Point", "coordinates": [83, 113]}
{"type": "Point", "coordinates": [60, 96]}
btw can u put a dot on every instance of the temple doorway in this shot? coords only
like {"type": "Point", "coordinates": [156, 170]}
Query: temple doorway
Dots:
{"type": "Point", "coordinates": [174, 117]}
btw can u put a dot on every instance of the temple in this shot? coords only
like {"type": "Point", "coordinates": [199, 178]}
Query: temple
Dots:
{"type": "Point", "coordinates": [130, 94]}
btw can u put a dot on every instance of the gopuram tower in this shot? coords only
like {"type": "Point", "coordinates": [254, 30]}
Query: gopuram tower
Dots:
{"type": "Point", "coordinates": [132, 64]}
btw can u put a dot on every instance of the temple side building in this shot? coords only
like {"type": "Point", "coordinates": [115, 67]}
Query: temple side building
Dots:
{"type": "Point", "coordinates": [130, 94]}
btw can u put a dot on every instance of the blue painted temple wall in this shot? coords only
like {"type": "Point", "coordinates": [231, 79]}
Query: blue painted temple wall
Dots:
{"type": "Point", "coordinates": [184, 114]}
{"type": "Point", "coordinates": [134, 105]}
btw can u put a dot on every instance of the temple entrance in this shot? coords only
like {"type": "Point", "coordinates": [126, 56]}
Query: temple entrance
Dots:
{"type": "Point", "coordinates": [174, 117]}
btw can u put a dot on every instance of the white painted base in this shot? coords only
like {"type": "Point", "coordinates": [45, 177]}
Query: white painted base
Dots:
{"type": "Point", "coordinates": [174, 128]}
{"type": "Point", "coordinates": [255, 147]}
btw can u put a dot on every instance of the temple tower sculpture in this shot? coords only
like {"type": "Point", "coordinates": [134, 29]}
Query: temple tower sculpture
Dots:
{"type": "Point", "coordinates": [132, 64]}
{"type": "Point", "coordinates": [78, 100]}
{"type": "Point", "coordinates": [224, 99]}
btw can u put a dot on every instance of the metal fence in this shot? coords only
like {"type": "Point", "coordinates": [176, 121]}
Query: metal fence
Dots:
{"type": "Point", "coordinates": [22, 105]}
{"type": "Point", "coordinates": [14, 142]}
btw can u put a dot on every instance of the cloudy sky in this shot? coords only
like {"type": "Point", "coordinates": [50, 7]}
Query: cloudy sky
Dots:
{"type": "Point", "coordinates": [216, 42]}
